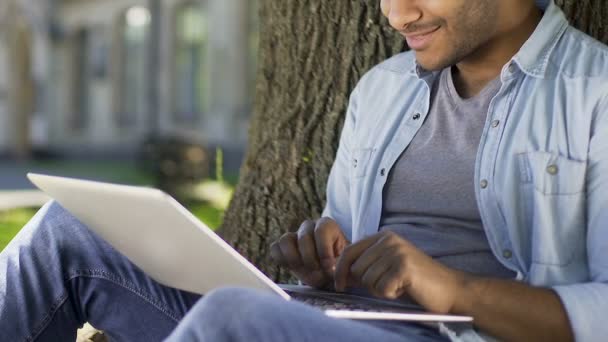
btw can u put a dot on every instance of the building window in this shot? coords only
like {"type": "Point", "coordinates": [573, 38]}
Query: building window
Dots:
{"type": "Point", "coordinates": [191, 81]}
{"type": "Point", "coordinates": [134, 34]}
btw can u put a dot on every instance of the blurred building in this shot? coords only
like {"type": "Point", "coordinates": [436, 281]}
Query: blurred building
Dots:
{"type": "Point", "coordinates": [98, 77]}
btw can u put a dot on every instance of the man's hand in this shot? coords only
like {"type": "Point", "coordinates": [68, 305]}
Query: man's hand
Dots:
{"type": "Point", "coordinates": [311, 253]}
{"type": "Point", "coordinates": [390, 267]}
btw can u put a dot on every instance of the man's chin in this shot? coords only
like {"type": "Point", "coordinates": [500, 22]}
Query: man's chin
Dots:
{"type": "Point", "coordinates": [430, 63]}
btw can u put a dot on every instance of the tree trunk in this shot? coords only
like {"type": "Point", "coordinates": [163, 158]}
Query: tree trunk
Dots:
{"type": "Point", "coordinates": [312, 53]}
{"type": "Point", "coordinates": [590, 16]}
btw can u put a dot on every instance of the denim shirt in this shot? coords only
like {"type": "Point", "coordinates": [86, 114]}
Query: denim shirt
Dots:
{"type": "Point", "coordinates": [541, 168]}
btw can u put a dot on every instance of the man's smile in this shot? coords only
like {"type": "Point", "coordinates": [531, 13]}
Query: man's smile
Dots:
{"type": "Point", "coordinates": [420, 40]}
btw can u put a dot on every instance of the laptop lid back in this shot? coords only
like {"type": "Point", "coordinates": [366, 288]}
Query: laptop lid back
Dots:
{"type": "Point", "coordinates": [157, 234]}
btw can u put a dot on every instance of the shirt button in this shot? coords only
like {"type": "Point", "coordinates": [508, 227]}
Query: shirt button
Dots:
{"type": "Point", "coordinates": [355, 162]}
{"type": "Point", "coordinates": [507, 254]}
{"type": "Point", "coordinates": [483, 184]}
{"type": "Point", "coordinates": [382, 172]}
{"type": "Point", "coordinates": [495, 123]}
{"type": "Point", "coordinates": [552, 169]}
{"type": "Point", "coordinates": [416, 116]}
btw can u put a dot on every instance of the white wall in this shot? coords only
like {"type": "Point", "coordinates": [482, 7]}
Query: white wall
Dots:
{"type": "Point", "coordinates": [226, 121]}
{"type": "Point", "coordinates": [101, 131]}
{"type": "Point", "coordinates": [229, 69]}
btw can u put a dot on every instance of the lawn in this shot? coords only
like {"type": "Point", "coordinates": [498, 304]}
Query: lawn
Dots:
{"type": "Point", "coordinates": [208, 199]}
{"type": "Point", "coordinates": [125, 172]}
{"type": "Point", "coordinates": [13, 220]}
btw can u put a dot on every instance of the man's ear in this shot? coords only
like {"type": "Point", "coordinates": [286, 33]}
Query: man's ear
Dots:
{"type": "Point", "coordinates": [385, 6]}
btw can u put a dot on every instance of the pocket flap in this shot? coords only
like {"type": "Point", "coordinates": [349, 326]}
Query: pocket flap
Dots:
{"type": "Point", "coordinates": [553, 174]}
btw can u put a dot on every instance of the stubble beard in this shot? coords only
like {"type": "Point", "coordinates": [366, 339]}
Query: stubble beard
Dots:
{"type": "Point", "coordinates": [475, 24]}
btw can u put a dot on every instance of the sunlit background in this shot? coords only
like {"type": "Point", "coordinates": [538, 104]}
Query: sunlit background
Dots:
{"type": "Point", "coordinates": [148, 92]}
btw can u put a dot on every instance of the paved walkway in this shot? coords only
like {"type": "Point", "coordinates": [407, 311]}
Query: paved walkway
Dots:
{"type": "Point", "coordinates": [16, 191]}
{"type": "Point", "coordinates": [22, 199]}
{"type": "Point", "coordinates": [13, 176]}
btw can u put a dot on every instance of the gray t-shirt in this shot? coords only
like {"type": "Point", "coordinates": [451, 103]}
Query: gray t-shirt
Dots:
{"type": "Point", "coordinates": [429, 197]}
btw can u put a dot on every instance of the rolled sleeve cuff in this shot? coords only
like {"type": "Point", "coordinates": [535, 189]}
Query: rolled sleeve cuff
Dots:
{"type": "Point", "coordinates": [587, 306]}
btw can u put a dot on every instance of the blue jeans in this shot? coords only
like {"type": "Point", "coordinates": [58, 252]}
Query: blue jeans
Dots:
{"type": "Point", "coordinates": [263, 317]}
{"type": "Point", "coordinates": [56, 275]}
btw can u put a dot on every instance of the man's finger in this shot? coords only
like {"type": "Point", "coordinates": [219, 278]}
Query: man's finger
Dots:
{"type": "Point", "coordinates": [367, 259]}
{"type": "Point", "coordinates": [328, 236]}
{"type": "Point", "coordinates": [307, 227]}
{"type": "Point", "coordinates": [390, 284]}
{"type": "Point", "coordinates": [277, 255]}
{"type": "Point", "coordinates": [373, 274]}
{"type": "Point", "coordinates": [307, 246]}
{"type": "Point", "coordinates": [350, 256]}
{"type": "Point", "coordinates": [288, 244]}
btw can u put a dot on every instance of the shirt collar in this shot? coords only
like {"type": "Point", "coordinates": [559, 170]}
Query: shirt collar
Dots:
{"type": "Point", "coordinates": [533, 57]}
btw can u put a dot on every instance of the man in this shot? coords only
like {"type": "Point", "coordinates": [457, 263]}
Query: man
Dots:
{"type": "Point", "coordinates": [471, 176]}
{"type": "Point", "coordinates": [482, 160]}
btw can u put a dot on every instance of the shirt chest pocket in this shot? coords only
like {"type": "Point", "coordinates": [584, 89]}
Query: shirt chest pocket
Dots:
{"type": "Point", "coordinates": [360, 161]}
{"type": "Point", "coordinates": [553, 200]}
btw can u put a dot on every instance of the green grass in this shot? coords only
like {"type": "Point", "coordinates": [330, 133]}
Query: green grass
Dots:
{"type": "Point", "coordinates": [13, 220]}
{"type": "Point", "coordinates": [112, 171]}
{"type": "Point", "coordinates": [209, 215]}
{"type": "Point", "coordinates": [125, 172]}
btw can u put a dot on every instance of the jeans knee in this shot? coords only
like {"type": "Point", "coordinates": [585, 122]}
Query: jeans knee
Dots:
{"type": "Point", "coordinates": [231, 305]}
{"type": "Point", "coordinates": [227, 314]}
{"type": "Point", "coordinates": [53, 223]}
{"type": "Point", "coordinates": [52, 230]}
{"type": "Point", "coordinates": [229, 301]}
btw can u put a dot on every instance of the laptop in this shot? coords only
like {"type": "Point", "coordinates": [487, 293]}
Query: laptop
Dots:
{"type": "Point", "coordinates": [172, 246]}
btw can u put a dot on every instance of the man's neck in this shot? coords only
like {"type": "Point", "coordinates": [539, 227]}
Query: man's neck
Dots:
{"type": "Point", "coordinates": [473, 73]}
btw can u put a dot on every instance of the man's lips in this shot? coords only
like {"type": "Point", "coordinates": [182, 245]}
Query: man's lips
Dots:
{"type": "Point", "coordinates": [420, 39]}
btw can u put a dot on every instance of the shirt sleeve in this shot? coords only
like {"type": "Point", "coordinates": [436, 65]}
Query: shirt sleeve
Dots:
{"type": "Point", "coordinates": [587, 304]}
{"type": "Point", "coordinates": [338, 185]}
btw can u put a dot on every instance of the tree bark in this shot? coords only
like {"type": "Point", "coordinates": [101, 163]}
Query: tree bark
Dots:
{"type": "Point", "coordinates": [590, 16]}
{"type": "Point", "coordinates": [312, 53]}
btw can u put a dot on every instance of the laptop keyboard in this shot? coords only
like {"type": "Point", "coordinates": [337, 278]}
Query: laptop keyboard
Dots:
{"type": "Point", "coordinates": [326, 303]}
